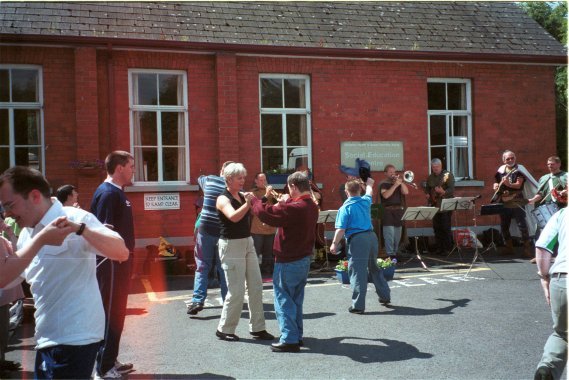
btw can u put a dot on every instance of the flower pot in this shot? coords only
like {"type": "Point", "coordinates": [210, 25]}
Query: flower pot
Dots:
{"type": "Point", "coordinates": [342, 276]}
{"type": "Point", "coordinates": [388, 273]}
{"type": "Point", "coordinates": [276, 179]}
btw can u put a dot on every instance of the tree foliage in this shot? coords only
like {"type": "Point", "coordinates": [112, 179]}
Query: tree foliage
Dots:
{"type": "Point", "coordinates": [552, 16]}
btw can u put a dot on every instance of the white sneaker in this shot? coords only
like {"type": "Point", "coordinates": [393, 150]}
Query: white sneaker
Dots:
{"type": "Point", "coordinates": [111, 374]}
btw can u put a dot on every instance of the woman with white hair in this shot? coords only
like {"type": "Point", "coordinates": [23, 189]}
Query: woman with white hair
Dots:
{"type": "Point", "coordinates": [239, 259]}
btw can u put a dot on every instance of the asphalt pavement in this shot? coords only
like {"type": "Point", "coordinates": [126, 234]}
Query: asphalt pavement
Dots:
{"type": "Point", "coordinates": [442, 324]}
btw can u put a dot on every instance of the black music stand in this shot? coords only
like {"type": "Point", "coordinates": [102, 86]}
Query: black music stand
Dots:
{"type": "Point", "coordinates": [454, 204]}
{"type": "Point", "coordinates": [492, 209]}
{"type": "Point", "coordinates": [414, 214]}
{"type": "Point", "coordinates": [324, 217]}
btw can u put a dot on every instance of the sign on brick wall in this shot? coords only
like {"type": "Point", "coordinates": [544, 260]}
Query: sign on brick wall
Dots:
{"type": "Point", "coordinates": [377, 153]}
{"type": "Point", "coordinates": [168, 201]}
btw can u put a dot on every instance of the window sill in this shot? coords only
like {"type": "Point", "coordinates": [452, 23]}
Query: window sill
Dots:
{"type": "Point", "coordinates": [160, 187]}
{"type": "Point", "coordinates": [469, 183]}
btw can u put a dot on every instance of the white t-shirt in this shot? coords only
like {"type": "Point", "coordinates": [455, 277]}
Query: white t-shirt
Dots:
{"type": "Point", "coordinates": [63, 282]}
{"type": "Point", "coordinates": [556, 230]}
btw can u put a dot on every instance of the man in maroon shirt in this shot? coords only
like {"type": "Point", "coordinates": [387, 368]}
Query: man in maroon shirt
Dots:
{"type": "Point", "coordinates": [296, 215]}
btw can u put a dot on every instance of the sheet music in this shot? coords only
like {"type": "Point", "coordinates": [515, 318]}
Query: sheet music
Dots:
{"type": "Point", "coordinates": [419, 213]}
{"type": "Point", "coordinates": [328, 216]}
{"type": "Point", "coordinates": [458, 203]}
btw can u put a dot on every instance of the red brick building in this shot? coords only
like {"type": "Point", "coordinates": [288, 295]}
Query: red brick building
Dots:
{"type": "Point", "coordinates": [186, 86]}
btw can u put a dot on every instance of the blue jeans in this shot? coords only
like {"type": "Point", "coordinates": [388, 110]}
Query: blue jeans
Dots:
{"type": "Point", "coordinates": [66, 362]}
{"type": "Point", "coordinates": [205, 253]}
{"type": "Point", "coordinates": [392, 236]}
{"type": "Point", "coordinates": [362, 255]}
{"type": "Point", "coordinates": [555, 349]}
{"type": "Point", "coordinates": [289, 280]}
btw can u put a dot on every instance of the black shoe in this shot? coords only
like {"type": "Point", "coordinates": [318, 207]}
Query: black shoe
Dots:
{"type": "Point", "coordinates": [355, 311]}
{"type": "Point", "coordinates": [262, 335]}
{"type": "Point", "coordinates": [227, 337]}
{"type": "Point", "coordinates": [194, 308]}
{"type": "Point", "coordinates": [384, 302]}
{"type": "Point", "coordinates": [300, 341]}
{"type": "Point", "coordinates": [285, 347]}
{"type": "Point", "coordinates": [543, 373]}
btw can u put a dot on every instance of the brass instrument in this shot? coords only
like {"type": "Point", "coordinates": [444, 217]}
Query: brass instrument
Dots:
{"type": "Point", "coordinates": [408, 177]}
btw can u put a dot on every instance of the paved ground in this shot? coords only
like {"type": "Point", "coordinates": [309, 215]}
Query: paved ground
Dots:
{"type": "Point", "coordinates": [442, 325]}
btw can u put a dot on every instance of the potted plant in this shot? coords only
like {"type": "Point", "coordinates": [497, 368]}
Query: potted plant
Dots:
{"type": "Point", "coordinates": [388, 268]}
{"type": "Point", "coordinates": [342, 272]}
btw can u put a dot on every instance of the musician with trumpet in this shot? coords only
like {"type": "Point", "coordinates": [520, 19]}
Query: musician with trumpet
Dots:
{"type": "Point", "coordinates": [509, 190]}
{"type": "Point", "coordinates": [440, 185]}
{"type": "Point", "coordinates": [392, 192]}
{"type": "Point", "coordinates": [263, 234]}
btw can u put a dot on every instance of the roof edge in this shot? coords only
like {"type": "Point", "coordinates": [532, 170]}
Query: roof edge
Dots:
{"type": "Point", "coordinates": [280, 50]}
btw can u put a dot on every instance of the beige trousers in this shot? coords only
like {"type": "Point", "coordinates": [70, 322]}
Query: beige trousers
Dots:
{"type": "Point", "coordinates": [241, 266]}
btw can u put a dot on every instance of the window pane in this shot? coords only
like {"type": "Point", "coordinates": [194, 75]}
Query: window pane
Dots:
{"type": "Point", "coordinates": [145, 128]}
{"type": "Point", "coordinates": [296, 130]}
{"type": "Point", "coordinates": [170, 90]}
{"type": "Point", "coordinates": [271, 93]}
{"type": "Point", "coordinates": [24, 85]}
{"type": "Point", "coordinates": [460, 162]}
{"type": "Point", "coordinates": [295, 93]}
{"type": "Point", "coordinates": [456, 96]}
{"type": "Point", "coordinates": [272, 159]}
{"type": "Point", "coordinates": [438, 130]}
{"type": "Point", "coordinates": [4, 159]}
{"type": "Point", "coordinates": [271, 129]}
{"type": "Point", "coordinates": [441, 154]}
{"type": "Point", "coordinates": [4, 128]}
{"type": "Point", "coordinates": [172, 129]}
{"type": "Point", "coordinates": [149, 170]}
{"type": "Point", "coordinates": [146, 93]}
{"type": "Point", "coordinates": [297, 157]}
{"type": "Point", "coordinates": [460, 125]}
{"type": "Point", "coordinates": [173, 164]}
{"type": "Point", "coordinates": [28, 157]}
{"type": "Point", "coordinates": [4, 86]}
{"type": "Point", "coordinates": [436, 94]}
{"type": "Point", "coordinates": [26, 127]}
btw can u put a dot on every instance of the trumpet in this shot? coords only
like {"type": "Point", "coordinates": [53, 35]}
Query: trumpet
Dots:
{"type": "Point", "coordinates": [408, 177]}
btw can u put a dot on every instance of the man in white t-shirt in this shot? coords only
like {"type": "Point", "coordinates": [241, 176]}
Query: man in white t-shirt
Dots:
{"type": "Point", "coordinates": [61, 272]}
{"type": "Point", "coordinates": [554, 284]}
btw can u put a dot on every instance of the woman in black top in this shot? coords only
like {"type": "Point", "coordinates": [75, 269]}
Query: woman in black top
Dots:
{"type": "Point", "coordinates": [239, 259]}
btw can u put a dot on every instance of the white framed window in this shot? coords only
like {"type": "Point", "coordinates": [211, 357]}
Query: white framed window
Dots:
{"type": "Point", "coordinates": [450, 124]}
{"type": "Point", "coordinates": [21, 117]}
{"type": "Point", "coordinates": [159, 126]}
{"type": "Point", "coordinates": [284, 103]}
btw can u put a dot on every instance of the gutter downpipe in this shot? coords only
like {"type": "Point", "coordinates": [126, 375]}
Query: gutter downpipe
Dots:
{"type": "Point", "coordinates": [111, 99]}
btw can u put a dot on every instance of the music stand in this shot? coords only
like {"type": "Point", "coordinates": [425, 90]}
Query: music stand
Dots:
{"type": "Point", "coordinates": [324, 217]}
{"type": "Point", "coordinates": [453, 204]}
{"type": "Point", "coordinates": [491, 209]}
{"type": "Point", "coordinates": [414, 214]}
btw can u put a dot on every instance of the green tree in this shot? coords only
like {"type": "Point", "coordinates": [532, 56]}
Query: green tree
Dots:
{"type": "Point", "coordinates": [552, 16]}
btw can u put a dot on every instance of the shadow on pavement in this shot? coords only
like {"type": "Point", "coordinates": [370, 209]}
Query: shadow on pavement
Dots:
{"type": "Point", "coordinates": [389, 351]}
{"type": "Point", "coordinates": [406, 310]}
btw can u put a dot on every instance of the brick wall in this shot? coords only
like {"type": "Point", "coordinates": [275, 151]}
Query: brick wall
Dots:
{"type": "Point", "coordinates": [513, 108]}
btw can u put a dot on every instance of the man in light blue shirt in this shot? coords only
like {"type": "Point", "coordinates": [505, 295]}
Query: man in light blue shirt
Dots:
{"type": "Point", "coordinates": [354, 222]}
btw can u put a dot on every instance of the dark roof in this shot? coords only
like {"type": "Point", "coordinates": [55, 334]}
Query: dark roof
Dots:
{"type": "Point", "coordinates": [464, 27]}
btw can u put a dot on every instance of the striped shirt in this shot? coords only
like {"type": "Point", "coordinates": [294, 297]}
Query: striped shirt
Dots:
{"type": "Point", "coordinates": [212, 187]}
